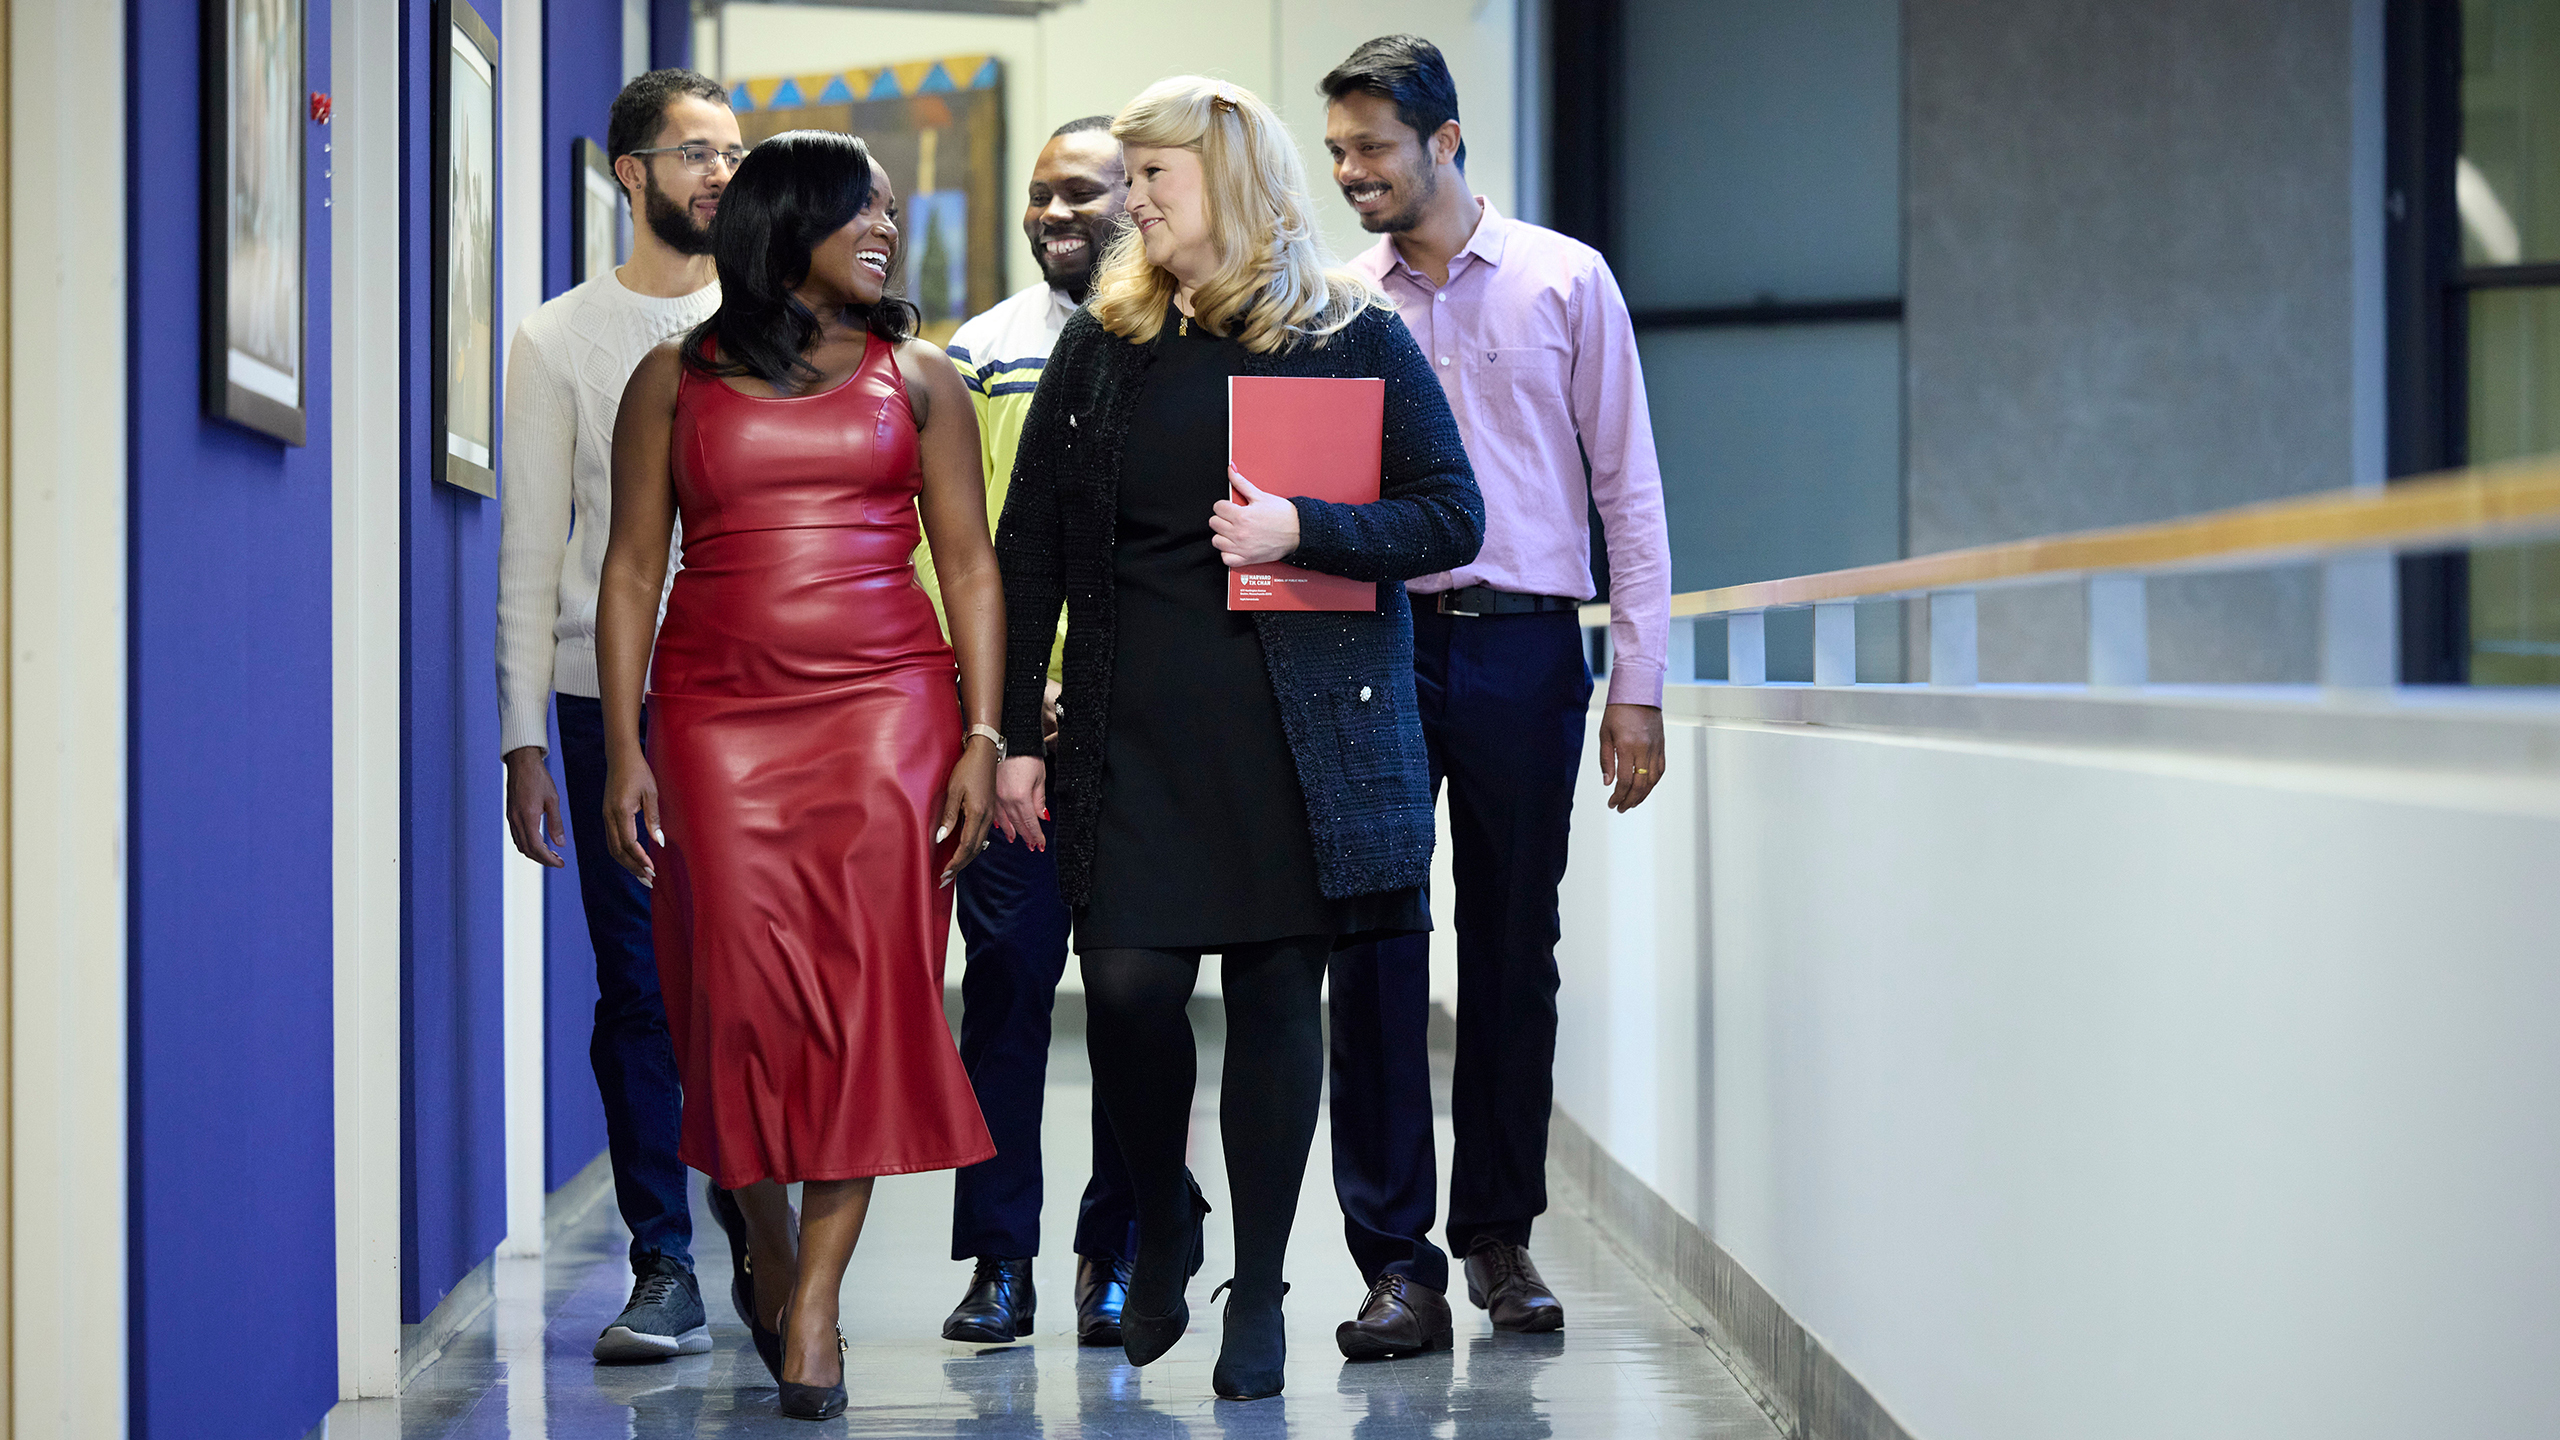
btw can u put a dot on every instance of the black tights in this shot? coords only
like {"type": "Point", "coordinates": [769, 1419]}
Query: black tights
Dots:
{"type": "Point", "coordinates": [1139, 1036]}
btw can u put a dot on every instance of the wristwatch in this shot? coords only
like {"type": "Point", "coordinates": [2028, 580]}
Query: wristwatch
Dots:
{"type": "Point", "coordinates": [992, 733]}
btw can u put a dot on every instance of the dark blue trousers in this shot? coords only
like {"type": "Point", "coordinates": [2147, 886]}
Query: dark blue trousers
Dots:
{"type": "Point", "coordinates": [1505, 700]}
{"type": "Point", "coordinates": [635, 1062]}
{"type": "Point", "coordinates": [1015, 927]}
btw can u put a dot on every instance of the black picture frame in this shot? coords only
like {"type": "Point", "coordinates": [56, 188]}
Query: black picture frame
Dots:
{"type": "Point", "coordinates": [463, 214]}
{"type": "Point", "coordinates": [256, 202]}
{"type": "Point", "coordinates": [597, 213]}
{"type": "Point", "coordinates": [599, 219]}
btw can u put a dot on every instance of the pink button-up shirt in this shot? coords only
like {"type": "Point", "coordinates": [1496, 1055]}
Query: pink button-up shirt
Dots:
{"type": "Point", "coordinates": [1531, 341]}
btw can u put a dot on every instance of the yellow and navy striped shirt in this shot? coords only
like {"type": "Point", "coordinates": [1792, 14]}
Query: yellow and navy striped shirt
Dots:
{"type": "Point", "coordinates": [1000, 355]}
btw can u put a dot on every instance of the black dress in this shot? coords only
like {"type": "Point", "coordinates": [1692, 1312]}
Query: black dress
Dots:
{"type": "Point", "coordinates": [1203, 840]}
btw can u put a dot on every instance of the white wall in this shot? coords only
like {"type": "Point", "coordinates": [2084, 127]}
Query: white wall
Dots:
{"type": "Point", "coordinates": [65, 1335]}
{"type": "Point", "coordinates": [2066, 1088]}
{"type": "Point", "coordinates": [521, 892]}
{"type": "Point", "coordinates": [365, 500]}
{"type": "Point", "coordinates": [1093, 56]}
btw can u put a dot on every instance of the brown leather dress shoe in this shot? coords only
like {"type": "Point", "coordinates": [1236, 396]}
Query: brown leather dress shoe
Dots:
{"type": "Point", "coordinates": [1502, 1279]}
{"type": "Point", "coordinates": [1399, 1318]}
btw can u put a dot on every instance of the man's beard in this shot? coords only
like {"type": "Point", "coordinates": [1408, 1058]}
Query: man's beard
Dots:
{"type": "Point", "coordinates": [673, 223]}
{"type": "Point", "coordinates": [1077, 283]}
{"type": "Point", "coordinates": [1424, 187]}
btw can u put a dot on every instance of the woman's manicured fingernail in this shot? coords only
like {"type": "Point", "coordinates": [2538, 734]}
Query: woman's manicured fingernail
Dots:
{"type": "Point", "coordinates": [939, 835]}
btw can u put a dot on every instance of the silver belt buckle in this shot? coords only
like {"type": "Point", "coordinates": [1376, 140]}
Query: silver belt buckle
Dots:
{"type": "Point", "coordinates": [1440, 602]}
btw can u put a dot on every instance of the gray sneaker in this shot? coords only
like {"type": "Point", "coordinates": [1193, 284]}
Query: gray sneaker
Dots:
{"type": "Point", "coordinates": [663, 1320]}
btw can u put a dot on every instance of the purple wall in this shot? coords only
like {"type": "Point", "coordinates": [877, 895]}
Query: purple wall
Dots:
{"type": "Point", "coordinates": [670, 33]}
{"type": "Point", "coordinates": [453, 1064]}
{"type": "Point", "coordinates": [233, 1281]}
{"type": "Point", "coordinates": [582, 71]}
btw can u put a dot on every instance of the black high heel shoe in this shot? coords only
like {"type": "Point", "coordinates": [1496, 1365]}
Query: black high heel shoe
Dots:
{"type": "Point", "coordinates": [813, 1402]}
{"type": "Point", "coordinates": [768, 1342]}
{"type": "Point", "coordinates": [1255, 1350]}
{"type": "Point", "coordinates": [742, 1281]}
{"type": "Point", "coordinates": [1145, 1338]}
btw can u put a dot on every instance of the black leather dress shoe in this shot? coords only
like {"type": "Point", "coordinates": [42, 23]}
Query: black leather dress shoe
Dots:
{"type": "Point", "coordinates": [1400, 1317]}
{"type": "Point", "coordinates": [997, 1310]}
{"type": "Point", "coordinates": [1501, 1279]}
{"type": "Point", "coordinates": [1102, 1291]}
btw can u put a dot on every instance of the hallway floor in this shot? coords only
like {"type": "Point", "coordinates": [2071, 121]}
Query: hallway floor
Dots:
{"type": "Point", "coordinates": [1624, 1365]}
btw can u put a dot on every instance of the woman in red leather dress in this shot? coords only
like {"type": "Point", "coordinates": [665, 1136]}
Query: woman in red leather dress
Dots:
{"type": "Point", "coordinates": [805, 782]}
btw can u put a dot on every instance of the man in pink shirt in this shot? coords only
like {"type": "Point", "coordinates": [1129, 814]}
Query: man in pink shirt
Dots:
{"type": "Point", "coordinates": [1530, 338]}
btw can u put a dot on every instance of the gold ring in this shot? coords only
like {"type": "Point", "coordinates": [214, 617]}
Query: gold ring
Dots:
{"type": "Point", "coordinates": [1642, 771]}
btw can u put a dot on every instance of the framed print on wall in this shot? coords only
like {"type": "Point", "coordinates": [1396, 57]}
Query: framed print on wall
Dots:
{"type": "Point", "coordinates": [937, 127]}
{"type": "Point", "coordinates": [253, 215]}
{"type": "Point", "coordinates": [464, 211]}
{"type": "Point", "coordinates": [599, 224]}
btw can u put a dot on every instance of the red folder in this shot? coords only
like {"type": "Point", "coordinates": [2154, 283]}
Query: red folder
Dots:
{"type": "Point", "coordinates": [1310, 438]}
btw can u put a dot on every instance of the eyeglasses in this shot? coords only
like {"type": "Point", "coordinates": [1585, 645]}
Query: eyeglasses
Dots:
{"type": "Point", "coordinates": [700, 159]}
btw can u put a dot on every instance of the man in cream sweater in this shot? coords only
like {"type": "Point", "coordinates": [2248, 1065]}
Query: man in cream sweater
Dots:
{"type": "Point", "coordinates": [674, 144]}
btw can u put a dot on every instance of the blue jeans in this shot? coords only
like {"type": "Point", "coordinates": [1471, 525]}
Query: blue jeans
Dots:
{"type": "Point", "coordinates": [635, 1062]}
{"type": "Point", "coordinates": [1504, 700]}
{"type": "Point", "coordinates": [1015, 926]}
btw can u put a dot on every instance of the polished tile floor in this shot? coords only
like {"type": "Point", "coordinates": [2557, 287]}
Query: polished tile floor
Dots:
{"type": "Point", "coordinates": [1623, 1366]}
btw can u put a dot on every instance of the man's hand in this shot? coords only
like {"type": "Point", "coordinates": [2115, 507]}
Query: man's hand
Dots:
{"type": "Point", "coordinates": [533, 807]}
{"type": "Point", "coordinates": [1049, 692]}
{"type": "Point", "coordinates": [1631, 751]}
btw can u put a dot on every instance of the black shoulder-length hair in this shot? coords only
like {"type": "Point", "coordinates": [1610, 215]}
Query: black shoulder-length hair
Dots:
{"type": "Point", "coordinates": [789, 194]}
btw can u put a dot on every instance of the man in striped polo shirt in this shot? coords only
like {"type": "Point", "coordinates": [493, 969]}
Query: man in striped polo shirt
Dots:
{"type": "Point", "coordinates": [1011, 917]}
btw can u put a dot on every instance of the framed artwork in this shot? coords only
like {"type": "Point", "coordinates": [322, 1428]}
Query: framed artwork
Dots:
{"type": "Point", "coordinates": [937, 127]}
{"type": "Point", "coordinates": [599, 222]}
{"type": "Point", "coordinates": [253, 215]}
{"type": "Point", "coordinates": [464, 211]}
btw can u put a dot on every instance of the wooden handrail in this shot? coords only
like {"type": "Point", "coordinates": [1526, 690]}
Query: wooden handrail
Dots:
{"type": "Point", "coordinates": [2516, 501]}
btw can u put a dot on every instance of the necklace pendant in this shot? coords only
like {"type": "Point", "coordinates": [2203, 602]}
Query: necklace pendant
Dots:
{"type": "Point", "coordinates": [1184, 328]}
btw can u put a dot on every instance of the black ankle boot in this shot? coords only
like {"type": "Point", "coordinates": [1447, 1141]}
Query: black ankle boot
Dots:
{"type": "Point", "coordinates": [1256, 1348]}
{"type": "Point", "coordinates": [1145, 1338]}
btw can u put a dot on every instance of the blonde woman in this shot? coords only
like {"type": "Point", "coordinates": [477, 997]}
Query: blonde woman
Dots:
{"type": "Point", "coordinates": [1252, 785]}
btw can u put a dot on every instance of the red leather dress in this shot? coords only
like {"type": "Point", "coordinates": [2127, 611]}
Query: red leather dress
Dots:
{"type": "Point", "coordinates": [804, 716]}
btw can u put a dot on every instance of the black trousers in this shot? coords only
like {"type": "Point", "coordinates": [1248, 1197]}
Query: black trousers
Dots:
{"type": "Point", "coordinates": [1505, 700]}
{"type": "Point", "coordinates": [1015, 926]}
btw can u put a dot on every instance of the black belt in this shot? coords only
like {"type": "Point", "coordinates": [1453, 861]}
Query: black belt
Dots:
{"type": "Point", "coordinates": [1485, 600]}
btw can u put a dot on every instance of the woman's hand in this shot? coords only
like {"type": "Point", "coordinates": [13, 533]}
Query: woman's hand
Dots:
{"type": "Point", "coordinates": [1262, 529]}
{"type": "Point", "coordinates": [1022, 785]}
{"type": "Point", "coordinates": [968, 803]}
{"type": "Point", "coordinates": [630, 787]}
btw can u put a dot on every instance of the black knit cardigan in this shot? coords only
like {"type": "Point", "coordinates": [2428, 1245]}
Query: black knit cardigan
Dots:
{"type": "Point", "coordinates": [1344, 679]}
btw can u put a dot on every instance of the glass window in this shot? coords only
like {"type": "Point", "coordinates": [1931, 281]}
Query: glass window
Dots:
{"type": "Point", "coordinates": [2507, 195]}
{"type": "Point", "coordinates": [2515, 412]}
{"type": "Point", "coordinates": [2507, 184]}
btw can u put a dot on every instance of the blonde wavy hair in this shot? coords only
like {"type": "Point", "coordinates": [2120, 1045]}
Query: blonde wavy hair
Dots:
{"type": "Point", "coordinates": [1272, 289]}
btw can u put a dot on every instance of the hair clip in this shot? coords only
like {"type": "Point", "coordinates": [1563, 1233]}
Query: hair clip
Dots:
{"type": "Point", "coordinates": [1223, 103]}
